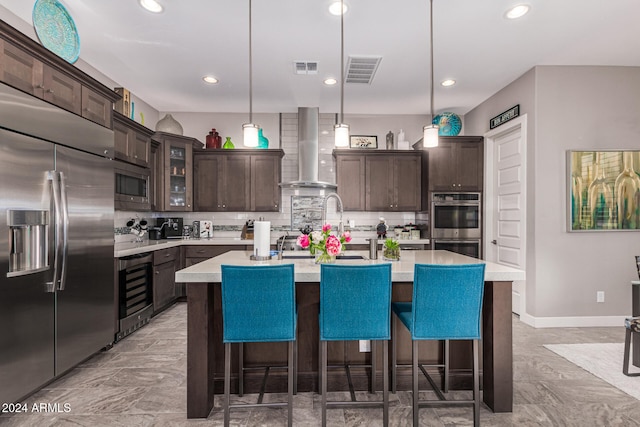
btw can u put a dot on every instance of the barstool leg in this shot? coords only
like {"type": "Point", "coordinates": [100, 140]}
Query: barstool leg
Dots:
{"type": "Point", "coordinates": [323, 386]}
{"type": "Point", "coordinates": [385, 382]}
{"type": "Point", "coordinates": [627, 351]}
{"type": "Point", "coordinates": [295, 364]}
{"type": "Point", "coordinates": [320, 390]}
{"type": "Point", "coordinates": [374, 366]}
{"type": "Point", "coordinates": [290, 378]}
{"type": "Point", "coordinates": [227, 382]}
{"type": "Point", "coordinates": [476, 385]}
{"type": "Point", "coordinates": [240, 369]}
{"type": "Point", "coordinates": [394, 362]}
{"type": "Point", "coordinates": [446, 366]}
{"type": "Point", "coordinates": [414, 381]}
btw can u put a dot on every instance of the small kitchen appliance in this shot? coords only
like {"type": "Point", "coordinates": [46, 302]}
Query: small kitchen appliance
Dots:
{"type": "Point", "coordinates": [170, 228]}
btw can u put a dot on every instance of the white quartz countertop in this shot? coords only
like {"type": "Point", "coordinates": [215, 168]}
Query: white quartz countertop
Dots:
{"type": "Point", "coordinates": [307, 271]}
{"type": "Point", "coordinates": [135, 248]}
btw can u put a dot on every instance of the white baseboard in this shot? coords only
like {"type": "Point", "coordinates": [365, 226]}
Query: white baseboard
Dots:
{"type": "Point", "coordinates": [573, 322]}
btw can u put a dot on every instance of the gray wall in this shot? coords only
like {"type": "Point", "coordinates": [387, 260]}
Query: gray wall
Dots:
{"type": "Point", "coordinates": [570, 108]}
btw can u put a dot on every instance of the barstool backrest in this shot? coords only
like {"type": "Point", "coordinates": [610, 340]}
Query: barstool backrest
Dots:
{"type": "Point", "coordinates": [258, 303]}
{"type": "Point", "coordinates": [447, 301]}
{"type": "Point", "coordinates": [355, 302]}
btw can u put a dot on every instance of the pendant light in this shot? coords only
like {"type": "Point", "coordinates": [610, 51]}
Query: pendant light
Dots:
{"type": "Point", "coordinates": [250, 130]}
{"type": "Point", "coordinates": [430, 132]}
{"type": "Point", "coordinates": [341, 130]}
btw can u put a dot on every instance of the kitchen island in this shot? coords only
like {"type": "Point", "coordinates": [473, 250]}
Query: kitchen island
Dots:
{"type": "Point", "coordinates": [204, 347]}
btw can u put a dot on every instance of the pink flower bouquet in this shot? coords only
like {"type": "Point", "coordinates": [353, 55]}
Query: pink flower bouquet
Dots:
{"type": "Point", "coordinates": [325, 244]}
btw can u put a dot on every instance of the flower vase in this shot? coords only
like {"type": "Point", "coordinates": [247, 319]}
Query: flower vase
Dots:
{"type": "Point", "coordinates": [263, 142]}
{"type": "Point", "coordinates": [325, 258]}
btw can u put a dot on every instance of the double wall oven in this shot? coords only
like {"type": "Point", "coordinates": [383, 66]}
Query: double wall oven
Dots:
{"type": "Point", "coordinates": [456, 223]}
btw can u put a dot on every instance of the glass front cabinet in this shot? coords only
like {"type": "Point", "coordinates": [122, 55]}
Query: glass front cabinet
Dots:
{"type": "Point", "coordinates": [175, 174]}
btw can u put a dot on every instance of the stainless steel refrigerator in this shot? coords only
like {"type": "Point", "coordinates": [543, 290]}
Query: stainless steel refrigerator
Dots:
{"type": "Point", "coordinates": [56, 242]}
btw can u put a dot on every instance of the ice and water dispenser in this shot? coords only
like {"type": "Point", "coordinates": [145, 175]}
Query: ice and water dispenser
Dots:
{"type": "Point", "coordinates": [28, 241]}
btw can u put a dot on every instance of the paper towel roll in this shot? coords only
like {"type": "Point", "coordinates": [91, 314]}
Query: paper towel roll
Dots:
{"type": "Point", "coordinates": [261, 238]}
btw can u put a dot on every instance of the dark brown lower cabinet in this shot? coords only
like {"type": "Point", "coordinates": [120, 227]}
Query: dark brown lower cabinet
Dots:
{"type": "Point", "coordinates": [165, 264]}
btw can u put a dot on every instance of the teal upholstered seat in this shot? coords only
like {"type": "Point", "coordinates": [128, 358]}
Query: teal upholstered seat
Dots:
{"type": "Point", "coordinates": [355, 304]}
{"type": "Point", "coordinates": [258, 305]}
{"type": "Point", "coordinates": [632, 326]}
{"type": "Point", "coordinates": [446, 305]}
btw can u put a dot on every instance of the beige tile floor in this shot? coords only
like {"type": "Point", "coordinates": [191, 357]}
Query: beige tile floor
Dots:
{"type": "Point", "coordinates": [141, 381]}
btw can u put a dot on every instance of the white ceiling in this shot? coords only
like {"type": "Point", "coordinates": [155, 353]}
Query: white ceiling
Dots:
{"type": "Point", "coordinates": [162, 58]}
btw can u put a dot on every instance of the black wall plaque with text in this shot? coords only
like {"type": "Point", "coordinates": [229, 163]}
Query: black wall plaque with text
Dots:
{"type": "Point", "coordinates": [502, 118]}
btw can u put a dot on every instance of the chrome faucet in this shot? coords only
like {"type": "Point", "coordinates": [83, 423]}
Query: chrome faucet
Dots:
{"type": "Point", "coordinates": [324, 210]}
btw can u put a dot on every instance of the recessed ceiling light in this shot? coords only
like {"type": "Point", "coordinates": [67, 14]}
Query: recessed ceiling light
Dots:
{"type": "Point", "coordinates": [151, 5]}
{"type": "Point", "coordinates": [335, 8]}
{"type": "Point", "coordinates": [448, 82]}
{"type": "Point", "coordinates": [330, 81]}
{"type": "Point", "coordinates": [210, 79]}
{"type": "Point", "coordinates": [517, 11]}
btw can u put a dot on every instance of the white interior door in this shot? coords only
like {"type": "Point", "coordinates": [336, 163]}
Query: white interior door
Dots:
{"type": "Point", "coordinates": [505, 201]}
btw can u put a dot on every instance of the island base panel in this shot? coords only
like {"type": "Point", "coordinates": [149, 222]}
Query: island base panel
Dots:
{"type": "Point", "coordinates": [497, 382]}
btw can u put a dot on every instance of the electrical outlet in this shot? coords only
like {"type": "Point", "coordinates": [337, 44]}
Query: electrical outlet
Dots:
{"type": "Point", "coordinates": [352, 223]}
{"type": "Point", "coordinates": [600, 296]}
{"type": "Point", "coordinates": [365, 346]}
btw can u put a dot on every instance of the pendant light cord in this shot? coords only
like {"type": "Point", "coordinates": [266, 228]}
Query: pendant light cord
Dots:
{"type": "Point", "coordinates": [341, 61]}
{"type": "Point", "coordinates": [250, 71]}
{"type": "Point", "coordinates": [431, 51]}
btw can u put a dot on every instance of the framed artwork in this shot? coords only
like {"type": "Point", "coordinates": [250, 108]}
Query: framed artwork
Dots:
{"type": "Point", "coordinates": [638, 265]}
{"type": "Point", "coordinates": [603, 190]}
{"type": "Point", "coordinates": [363, 141]}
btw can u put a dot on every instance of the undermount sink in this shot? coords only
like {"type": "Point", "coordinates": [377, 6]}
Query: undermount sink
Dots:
{"type": "Point", "coordinates": [307, 256]}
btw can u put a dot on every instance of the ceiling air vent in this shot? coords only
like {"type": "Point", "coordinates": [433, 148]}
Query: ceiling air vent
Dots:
{"type": "Point", "coordinates": [305, 67]}
{"type": "Point", "coordinates": [361, 69]}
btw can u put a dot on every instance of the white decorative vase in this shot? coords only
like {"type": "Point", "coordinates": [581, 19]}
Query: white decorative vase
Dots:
{"type": "Point", "coordinates": [170, 125]}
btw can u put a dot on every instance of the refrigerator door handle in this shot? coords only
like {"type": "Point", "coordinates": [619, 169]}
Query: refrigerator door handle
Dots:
{"type": "Point", "coordinates": [65, 230]}
{"type": "Point", "coordinates": [55, 187]}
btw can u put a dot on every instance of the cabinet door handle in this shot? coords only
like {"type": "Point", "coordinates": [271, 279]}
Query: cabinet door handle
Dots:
{"type": "Point", "coordinates": [167, 255]}
{"type": "Point", "coordinates": [157, 272]}
{"type": "Point", "coordinates": [49, 91]}
{"type": "Point", "coordinates": [38, 87]}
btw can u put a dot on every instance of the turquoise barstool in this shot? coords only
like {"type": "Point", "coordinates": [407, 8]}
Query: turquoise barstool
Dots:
{"type": "Point", "coordinates": [258, 305]}
{"type": "Point", "coordinates": [446, 305]}
{"type": "Point", "coordinates": [355, 304]}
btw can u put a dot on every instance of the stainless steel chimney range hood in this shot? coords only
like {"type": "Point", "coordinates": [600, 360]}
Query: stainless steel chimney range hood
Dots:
{"type": "Point", "coordinates": [308, 149]}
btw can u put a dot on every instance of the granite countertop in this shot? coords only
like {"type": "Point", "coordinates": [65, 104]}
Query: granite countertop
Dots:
{"type": "Point", "coordinates": [307, 271]}
{"type": "Point", "coordinates": [133, 248]}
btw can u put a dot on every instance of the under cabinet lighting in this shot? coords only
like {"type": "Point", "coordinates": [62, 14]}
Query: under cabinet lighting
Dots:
{"type": "Point", "coordinates": [151, 5]}
{"type": "Point", "coordinates": [448, 82]}
{"type": "Point", "coordinates": [517, 11]}
{"type": "Point", "coordinates": [330, 81]}
{"type": "Point", "coordinates": [210, 79]}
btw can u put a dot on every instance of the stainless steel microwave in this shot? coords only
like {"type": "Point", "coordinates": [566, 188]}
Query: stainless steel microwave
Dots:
{"type": "Point", "coordinates": [132, 189]}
